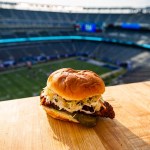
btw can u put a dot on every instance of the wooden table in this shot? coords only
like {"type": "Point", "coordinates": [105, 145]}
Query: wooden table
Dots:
{"type": "Point", "coordinates": [24, 125]}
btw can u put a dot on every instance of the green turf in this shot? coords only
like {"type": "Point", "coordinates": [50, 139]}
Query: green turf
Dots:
{"type": "Point", "coordinates": [26, 82]}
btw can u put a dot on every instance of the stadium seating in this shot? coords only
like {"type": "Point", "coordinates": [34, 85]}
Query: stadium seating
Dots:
{"type": "Point", "coordinates": [25, 23]}
{"type": "Point", "coordinates": [136, 75]}
{"type": "Point", "coordinates": [114, 53]}
{"type": "Point", "coordinates": [102, 51]}
{"type": "Point", "coordinates": [70, 18]}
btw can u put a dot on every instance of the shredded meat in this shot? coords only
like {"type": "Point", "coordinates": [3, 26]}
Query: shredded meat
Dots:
{"type": "Point", "coordinates": [87, 108]}
{"type": "Point", "coordinates": [48, 103]}
{"type": "Point", "coordinates": [108, 112]}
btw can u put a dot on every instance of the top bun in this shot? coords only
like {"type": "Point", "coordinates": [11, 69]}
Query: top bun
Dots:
{"type": "Point", "coordinates": [75, 84]}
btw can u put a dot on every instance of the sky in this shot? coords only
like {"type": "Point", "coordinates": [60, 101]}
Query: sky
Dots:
{"type": "Point", "coordinates": [91, 3]}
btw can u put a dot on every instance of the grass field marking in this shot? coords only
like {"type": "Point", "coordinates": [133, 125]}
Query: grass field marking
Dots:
{"type": "Point", "coordinates": [91, 61]}
{"type": "Point", "coordinates": [55, 62]}
{"type": "Point", "coordinates": [37, 65]}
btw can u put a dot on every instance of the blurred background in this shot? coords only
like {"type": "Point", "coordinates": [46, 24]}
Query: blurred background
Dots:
{"type": "Point", "coordinates": [111, 38]}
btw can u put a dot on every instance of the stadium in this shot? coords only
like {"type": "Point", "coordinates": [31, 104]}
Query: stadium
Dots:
{"type": "Point", "coordinates": [36, 39]}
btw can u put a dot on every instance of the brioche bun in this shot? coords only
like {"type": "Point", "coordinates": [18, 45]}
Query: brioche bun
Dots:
{"type": "Point", "coordinates": [59, 114]}
{"type": "Point", "coordinates": [75, 84]}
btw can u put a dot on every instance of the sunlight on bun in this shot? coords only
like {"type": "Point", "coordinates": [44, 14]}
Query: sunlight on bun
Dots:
{"type": "Point", "coordinates": [75, 84]}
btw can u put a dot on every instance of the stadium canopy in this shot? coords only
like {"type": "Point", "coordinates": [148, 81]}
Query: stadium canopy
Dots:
{"type": "Point", "coordinates": [71, 9]}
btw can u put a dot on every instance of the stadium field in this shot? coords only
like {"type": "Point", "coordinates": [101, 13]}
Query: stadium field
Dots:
{"type": "Point", "coordinates": [25, 82]}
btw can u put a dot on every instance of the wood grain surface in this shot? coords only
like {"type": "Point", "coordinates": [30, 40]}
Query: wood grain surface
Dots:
{"type": "Point", "coordinates": [24, 125]}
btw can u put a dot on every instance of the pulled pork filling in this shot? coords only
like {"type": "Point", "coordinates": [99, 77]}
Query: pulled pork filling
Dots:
{"type": "Point", "coordinates": [88, 105]}
{"type": "Point", "coordinates": [92, 106]}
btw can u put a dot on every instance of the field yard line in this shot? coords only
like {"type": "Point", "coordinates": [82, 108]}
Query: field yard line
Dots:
{"type": "Point", "coordinates": [54, 62]}
{"type": "Point", "coordinates": [37, 65]}
{"type": "Point", "coordinates": [91, 61]}
{"type": "Point", "coordinates": [14, 70]}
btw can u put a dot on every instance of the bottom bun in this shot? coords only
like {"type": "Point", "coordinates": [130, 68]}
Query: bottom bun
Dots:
{"type": "Point", "coordinates": [59, 114]}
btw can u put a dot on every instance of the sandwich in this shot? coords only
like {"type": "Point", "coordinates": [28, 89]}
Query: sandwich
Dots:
{"type": "Point", "coordinates": [75, 96]}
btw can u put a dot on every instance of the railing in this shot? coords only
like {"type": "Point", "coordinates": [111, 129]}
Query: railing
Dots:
{"type": "Point", "coordinates": [88, 38]}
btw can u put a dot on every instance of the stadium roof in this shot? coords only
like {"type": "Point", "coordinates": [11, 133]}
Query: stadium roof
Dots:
{"type": "Point", "coordinates": [91, 3]}
{"type": "Point", "coordinates": [72, 9]}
